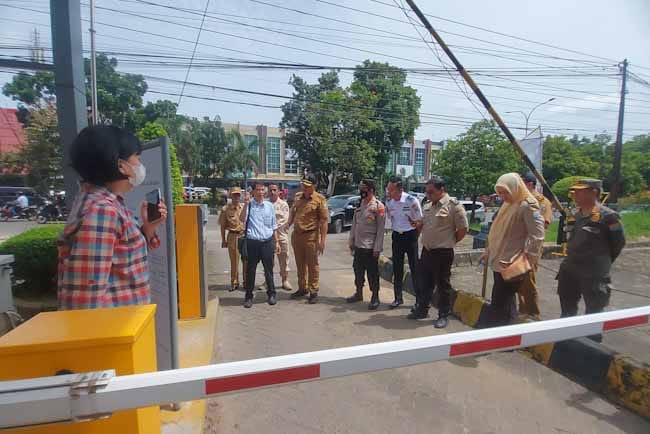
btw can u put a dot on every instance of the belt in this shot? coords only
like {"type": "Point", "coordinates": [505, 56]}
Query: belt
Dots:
{"type": "Point", "coordinates": [236, 232]}
{"type": "Point", "coordinates": [403, 232]}
{"type": "Point", "coordinates": [299, 231]}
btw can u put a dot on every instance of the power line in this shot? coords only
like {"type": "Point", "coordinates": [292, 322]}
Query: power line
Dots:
{"type": "Point", "coordinates": [189, 68]}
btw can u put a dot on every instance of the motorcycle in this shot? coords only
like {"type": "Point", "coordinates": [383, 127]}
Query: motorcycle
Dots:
{"type": "Point", "coordinates": [9, 211]}
{"type": "Point", "coordinates": [51, 212]}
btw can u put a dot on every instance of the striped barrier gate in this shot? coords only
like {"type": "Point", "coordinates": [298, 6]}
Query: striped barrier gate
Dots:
{"type": "Point", "coordinates": [92, 395]}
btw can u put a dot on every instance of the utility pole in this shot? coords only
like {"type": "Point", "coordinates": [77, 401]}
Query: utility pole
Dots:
{"type": "Point", "coordinates": [477, 91]}
{"type": "Point", "coordinates": [93, 66]}
{"type": "Point", "coordinates": [615, 188]}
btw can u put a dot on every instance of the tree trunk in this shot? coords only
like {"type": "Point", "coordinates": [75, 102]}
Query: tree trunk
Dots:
{"type": "Point", "coordinates": [332, 183]}
{"type": "Point", "coordinates": [471, 219]}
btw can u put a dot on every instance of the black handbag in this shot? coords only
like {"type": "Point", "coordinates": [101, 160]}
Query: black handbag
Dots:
{"type": "Point", "coordinates": [241, 243]}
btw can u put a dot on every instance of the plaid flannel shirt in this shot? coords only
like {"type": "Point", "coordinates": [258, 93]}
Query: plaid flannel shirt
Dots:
{"type": "Point", "coordinates": [102, 254]}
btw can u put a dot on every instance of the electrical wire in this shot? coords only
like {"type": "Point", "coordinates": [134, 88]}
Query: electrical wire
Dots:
{"type": "Point", "coordinates": [189, 68]}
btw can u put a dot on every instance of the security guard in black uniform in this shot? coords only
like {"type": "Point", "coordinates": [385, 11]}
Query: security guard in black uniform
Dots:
{"type": "Point", "coordinates": [594, 243]}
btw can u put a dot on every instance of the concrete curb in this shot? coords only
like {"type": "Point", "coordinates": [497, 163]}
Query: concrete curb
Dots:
{"type": "Point", "coordinates": [471, 257]}
{"type": "Point", "coordinates": [623, 380]}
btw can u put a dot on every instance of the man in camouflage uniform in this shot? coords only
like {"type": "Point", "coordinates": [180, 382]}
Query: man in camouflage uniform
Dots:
{"type": "Point", "coordinates": [527, 294]}
{"type": "Point", "coordinates": [311, 217]}
{"type": "Point", "coordinates": [594, 243]}
{"type": "Point", "coordinates": [229, 221]}
{"type": "Point", "coordinates": [366, 242]}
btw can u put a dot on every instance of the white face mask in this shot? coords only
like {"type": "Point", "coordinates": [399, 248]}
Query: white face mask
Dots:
{"type": "Point", "coordinates": [140, 173]}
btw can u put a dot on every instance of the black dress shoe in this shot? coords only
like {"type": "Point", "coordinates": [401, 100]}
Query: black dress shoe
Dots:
{"type": "Point", "coordinates": [355, 298]}
{"type": "Point", "coordinates": [233, 288]}
{"type": "Point", "coordinates": [441, 322]}
{"type": "Point", "coordinates": [299, 293]}
{"type": "Point", "coordinates": [313, 298]}
{"type": "Point", "coordinates": [397, 303]}
{"type": "Point", "coordinates": [272, 300]}
{"type": "Point", "coordinates": [248, 303]}
{"type": "Point", "coordinates": [417, 314]}
{"type": "Point", "coordinates": [374, 304]}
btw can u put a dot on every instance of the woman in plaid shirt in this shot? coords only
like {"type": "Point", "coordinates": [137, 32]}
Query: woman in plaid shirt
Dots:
{"type": "Point", "coordinates": [103, 251]}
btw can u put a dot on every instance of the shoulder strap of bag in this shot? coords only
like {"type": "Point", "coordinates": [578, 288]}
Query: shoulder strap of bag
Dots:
{"type": "Point", "coordinates": [248, 217]}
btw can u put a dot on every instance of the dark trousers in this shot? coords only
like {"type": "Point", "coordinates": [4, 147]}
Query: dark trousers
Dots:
{"type": "Point", "coordinates": [260, 251]}
{"type": "Point", "coordinates": [365, 262]}
{"type": "Point", "coordinates": [406, 243]}
{"type": "Point", "coordinates": [571, 289]}
{"type": "Point", "coordinates": [434, 271]}
{"type": "Point", "coordinates": [503, 307]}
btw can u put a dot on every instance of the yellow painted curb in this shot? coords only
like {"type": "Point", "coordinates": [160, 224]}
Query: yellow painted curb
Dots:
{"type": "Point", "coordinates": [541, 353]}
{"type": "Point", "coordinates": [628, 382]}
{"type": "Point", "coordinates": [468, 308]}
{"type": "Point", "coordinates": [196, 340]}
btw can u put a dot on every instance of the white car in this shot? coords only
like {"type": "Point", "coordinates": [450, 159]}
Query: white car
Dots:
{"type": "Point", "coordinates": [479, 210]}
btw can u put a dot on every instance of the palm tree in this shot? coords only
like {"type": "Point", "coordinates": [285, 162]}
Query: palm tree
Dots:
{"type": "Point", "coordinates": [239, 158]}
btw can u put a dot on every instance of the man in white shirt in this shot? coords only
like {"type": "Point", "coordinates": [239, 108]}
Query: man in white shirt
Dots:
{"type": "Point", "coordinates": [405, 213]}
{"type": "Point", "coordinates": [21, 201]}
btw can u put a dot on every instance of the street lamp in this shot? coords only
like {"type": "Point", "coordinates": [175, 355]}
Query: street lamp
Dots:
{"type": "Point", "coordinates": [531, 112]}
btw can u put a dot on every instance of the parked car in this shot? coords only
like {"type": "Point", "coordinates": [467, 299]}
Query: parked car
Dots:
{"type": "Point", "coordinates": [419, 196]}
{"type": "Point", "coordinates": [479, 210]}
{"type": "Point", "coordinates": [341, 209]}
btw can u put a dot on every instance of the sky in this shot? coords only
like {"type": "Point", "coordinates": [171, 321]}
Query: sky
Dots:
{"type": "Point", "coordinates": [574, 58]}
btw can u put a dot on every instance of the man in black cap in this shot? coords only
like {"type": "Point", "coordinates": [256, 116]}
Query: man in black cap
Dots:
{"type": "Point", "coordinates": [594, 243]}
{"type": "Point", "coordinates": [366, 242]}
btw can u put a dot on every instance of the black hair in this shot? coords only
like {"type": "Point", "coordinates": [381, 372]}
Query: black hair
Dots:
{"type": "Point", "coordinates": [256, 183]}
{"type": "Point", "coordinates": [397, 181]}
{"type": "Point", "coordinates": [438, 182]}
{"type": "Point", "coordinates": [529, 177]}
{"type": "Point", "coordinates": [96, 150]}
{"type": "Point", "coordinates": [370, 183]}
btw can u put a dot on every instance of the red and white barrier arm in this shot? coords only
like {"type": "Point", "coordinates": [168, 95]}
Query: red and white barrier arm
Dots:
{"type": "Point", "coordinates": [79, 397]}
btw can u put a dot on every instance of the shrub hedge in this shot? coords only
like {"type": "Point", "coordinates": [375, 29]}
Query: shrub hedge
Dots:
{"type": "Point", "coordinates": [35, 259]}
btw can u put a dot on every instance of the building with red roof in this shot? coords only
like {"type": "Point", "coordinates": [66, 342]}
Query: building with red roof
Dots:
{"type": "Point", "coordinates": [12, 133]}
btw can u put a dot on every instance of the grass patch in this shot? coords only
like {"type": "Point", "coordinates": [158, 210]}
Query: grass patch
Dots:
{"type": "Point", "coordinates": [636, 224]}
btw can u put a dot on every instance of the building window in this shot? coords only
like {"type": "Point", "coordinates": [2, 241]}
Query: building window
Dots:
{"type": "Point", "coordinates": [252, 143]}
{"type": "Point", "coordinates": [420, 155]}
{"type": "Point", "coordinates": [290, 161]}
{"type": "Point", "coordinates": [404, 158]}
{"type": "Point", "coordinates": [273, 154]}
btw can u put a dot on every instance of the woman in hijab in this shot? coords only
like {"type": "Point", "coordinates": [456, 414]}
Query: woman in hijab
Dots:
{"type": "Point", "coordinates": [514, 245]}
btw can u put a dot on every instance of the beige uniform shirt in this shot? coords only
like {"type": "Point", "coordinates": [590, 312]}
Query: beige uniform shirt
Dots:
{"type": "Point", "coordinates": [281, 216]}
{"type": "Point", "coordinates": [545, 207]}
{"type": "Point", "coordinates": [440, 222]}
{"type": "Point", "coordinates": [368, 226]}
{"type": "Point", "coordinates": [309, 213]}
{"type": "Point", "coordinates": [229, 217]}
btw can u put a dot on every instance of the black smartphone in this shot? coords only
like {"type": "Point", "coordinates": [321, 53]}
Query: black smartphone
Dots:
{"type": "Point", "coordinates": [153, 200]}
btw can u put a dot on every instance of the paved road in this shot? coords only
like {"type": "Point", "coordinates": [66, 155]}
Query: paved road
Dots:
{"type": "Point", "coordinates": [13, 227]}
{"type": "Point", "coordinates": [500, 393]}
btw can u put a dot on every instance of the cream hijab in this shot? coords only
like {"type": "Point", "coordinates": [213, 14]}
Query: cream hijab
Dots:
{"type": "Point", "coordinates": [501, 226]}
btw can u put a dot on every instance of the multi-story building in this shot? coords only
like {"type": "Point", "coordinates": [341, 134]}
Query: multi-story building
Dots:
{"type": "Point", "coordinates": [414, 159]}
{"type": "Point", "coordinates": [277, 162]}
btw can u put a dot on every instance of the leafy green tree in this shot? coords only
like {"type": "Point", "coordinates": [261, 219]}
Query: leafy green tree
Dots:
{"type": "Point", "coordinates": [152, 131]}
{"type": "Point", "coordinates": [562, 159]}
{"type": "Point", "coordinates": [239, 161]}
{"type": "Point", "coordinates": [119, 95]}
{"type": "Point", "coordinates": [211, 142]}
{"type": "Point", "coordinates": [395, 107]}
{"type": "Point", "coordinates": [326, 126]}
{"type": "Point", "coordinates": [561, 187]}
{"type": "Point", "coordinates": [473, 163]}
{"type": "Point", "coordinates": [42, 155]}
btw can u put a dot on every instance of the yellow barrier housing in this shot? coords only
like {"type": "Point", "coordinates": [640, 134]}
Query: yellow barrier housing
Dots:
{"type": "Point", "coordinates": [122, 338]}
{"type": "Point", "coordinates": [192, 289]}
